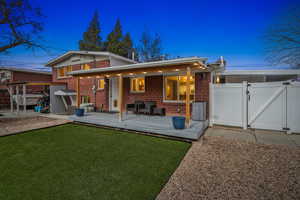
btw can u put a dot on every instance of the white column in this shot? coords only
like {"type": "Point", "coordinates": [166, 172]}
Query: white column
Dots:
{"type": "Point", "coordinates": [120, 98]}
{"type": "Point", "coordinates": [11, 93]}
{"type": "Point", "coordinates": [17, 98]}
{"type": "Point", "coordinates": [24, 97]}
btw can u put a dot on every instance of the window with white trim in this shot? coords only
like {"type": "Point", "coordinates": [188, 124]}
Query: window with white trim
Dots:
{"type": "Point", "coordinates": [175, 88]}
{"type": "Point", "coordinates": [85, 67]}
{"type": "Point", "coordinates": [62, 72]}
{"type": "Point", "coordinates": [137, 85]}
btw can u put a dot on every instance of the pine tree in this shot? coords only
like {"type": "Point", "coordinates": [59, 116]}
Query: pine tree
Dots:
{"type": "Point", "coordinates": [91, 38]}
{"type": "Point", "coordinates": [114, 40]}
{"type": "Point", "coordinates": [127, 46]}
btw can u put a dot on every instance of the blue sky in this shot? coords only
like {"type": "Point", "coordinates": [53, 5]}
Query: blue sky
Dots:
{"type": "Point", "coordinates": [231, 28]}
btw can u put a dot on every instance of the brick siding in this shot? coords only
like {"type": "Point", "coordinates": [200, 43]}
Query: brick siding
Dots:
{"type": "Point", "coordinates": [154, 92]}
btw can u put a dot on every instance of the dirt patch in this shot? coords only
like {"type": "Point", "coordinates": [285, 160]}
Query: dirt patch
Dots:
{"type": "Point", "coordinates": [231, 169]}
{"type": "Point", "coordinates": [15, 125]}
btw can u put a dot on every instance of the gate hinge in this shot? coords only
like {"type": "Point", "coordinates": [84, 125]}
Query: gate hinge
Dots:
{"type": "Point", "coordinates": [286, 129]}
{"type": "Point", "coordinates": [286, 83]}
{"type": "Point", "coordinates": [248, 126]}
{"type": "Point", "coordinates": [248, 84]}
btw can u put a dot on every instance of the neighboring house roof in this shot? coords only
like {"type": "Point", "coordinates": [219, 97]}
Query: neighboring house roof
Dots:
{"type": "Point", "coordinates": [163, 63]}
{"type": "Point", "coordinates": [25, 70]}
{"type": "Point", "coordinates": [93, 53]}
{"type": "Point", "coordinates": [262, 72]}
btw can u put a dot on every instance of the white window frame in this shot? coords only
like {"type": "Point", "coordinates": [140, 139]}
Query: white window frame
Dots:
{"type": "Point", "coordinates": [176, 101]}
{"type": "Point", "coordinates": [134, 92]}
{"type": "Point", "coordinates": [81, 66]}
{"type": "Point", "coordinates": [64, 68]}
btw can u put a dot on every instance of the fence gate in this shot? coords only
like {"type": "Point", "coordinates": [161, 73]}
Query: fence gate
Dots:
{"type": "Point", "coordinates": [271, 105]}
{"type": "Point", "coordinates": [267, 107]}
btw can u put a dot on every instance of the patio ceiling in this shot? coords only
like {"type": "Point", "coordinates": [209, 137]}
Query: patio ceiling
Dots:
{"type": "Point", "coordinates": [148, 69]}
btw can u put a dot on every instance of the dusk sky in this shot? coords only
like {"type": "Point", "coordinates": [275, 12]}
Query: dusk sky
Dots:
{"type": "Point", "coordinates": [233, 29]}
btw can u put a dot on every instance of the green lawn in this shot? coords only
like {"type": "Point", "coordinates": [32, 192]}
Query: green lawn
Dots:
{"type": "Point", "coordinates": [80, 162]}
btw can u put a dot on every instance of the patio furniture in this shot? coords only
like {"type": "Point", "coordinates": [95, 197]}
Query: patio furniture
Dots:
{"type": "Point", "coordinates": [159, 111]}
{"type": "Point", "coordinates": [134, 107]}
{"type": "Point", "coordinates": [88, 107]}
{"type": "Point", "coordinates": [147, 108]}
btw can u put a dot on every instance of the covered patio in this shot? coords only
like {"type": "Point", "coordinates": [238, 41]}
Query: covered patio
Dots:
{"type": "Point", "coordinates": [161, 125]}
{"type": "Point", "coordinates": [185, 67]}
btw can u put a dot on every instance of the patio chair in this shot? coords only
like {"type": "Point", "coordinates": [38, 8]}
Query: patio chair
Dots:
{"type": "Point", "coordinates": [147, 108]}
{"type": "Point", "coordinates": [159, 111]}
{"type": "Point", "coordinates": [134, 107]}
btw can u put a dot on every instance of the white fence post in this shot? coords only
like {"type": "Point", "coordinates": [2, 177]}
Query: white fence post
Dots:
{"type": "Point", "coordinates": [245, 105]}
{"type": "Point", "coordinates": [211, 104]}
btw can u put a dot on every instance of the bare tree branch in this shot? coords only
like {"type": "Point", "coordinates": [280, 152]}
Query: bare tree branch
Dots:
{"type": "Point", "coordinates": [19, 25]}
{"type": "Point", "coordinates": [283, 40]}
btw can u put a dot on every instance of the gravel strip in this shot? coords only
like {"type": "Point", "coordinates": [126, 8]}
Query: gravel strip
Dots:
{"type": "Point", "coordinates": [231, 169]}
{"type": "Point", "coordinates": [10, 126]}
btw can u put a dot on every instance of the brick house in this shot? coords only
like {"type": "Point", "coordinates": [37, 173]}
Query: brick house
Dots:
{"type": "Point", "coordinates": [164, 82]}
{"type": "Point", "coordinates": [10, 75]}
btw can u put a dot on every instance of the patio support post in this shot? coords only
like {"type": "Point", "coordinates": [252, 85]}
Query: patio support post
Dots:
{"type": "Point", "coordinates": [78, 91]}
{"type": "Point", "coordinates": [24, 97]}
{"type": "Point", "coordinates": [120, 97]}
{"type": "Point", "coordinates": [187, 99]}
{"type": "Point", "coordinates": [17, 98]}
{"type": "Point", "coordinates": [11, 93]}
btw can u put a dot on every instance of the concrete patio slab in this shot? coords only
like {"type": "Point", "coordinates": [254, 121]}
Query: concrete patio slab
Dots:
{"type": "Point", "coordinates": [256, 136]}
{"type": "Point", "coordinates": [143, 123]}
{"type": "Point", "coordinates": [295, 138]}
{"type": "Point", "coordinates": [11, 126]}
{"type": "Point", "coordinates": [231, 134]}
{"type": "Point", "coordinates": [274, 138]}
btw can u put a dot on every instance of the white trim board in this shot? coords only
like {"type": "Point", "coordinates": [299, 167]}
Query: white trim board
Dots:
{"type": "Point", "coordinates": [262, 72]}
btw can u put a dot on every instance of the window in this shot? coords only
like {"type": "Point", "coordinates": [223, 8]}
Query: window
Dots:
{"type": "Point", "coordinates": [101, 84]}
{"type": "Point", "coordinates": [175, 88]}
{"type": "Point", "coordinates": [85, 67]}
{"type": "Point", "coordinates": [63, 71]}
{"type": "Point", "coordinates": [85, 99]}
{"type": "Point", "coordinates": [137, 84]}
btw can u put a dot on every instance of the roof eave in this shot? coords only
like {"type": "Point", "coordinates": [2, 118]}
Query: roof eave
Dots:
{"type": "Point", "coordinates": [69, 53]}
{"type": "Point", "coordinates": [142, 65]}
